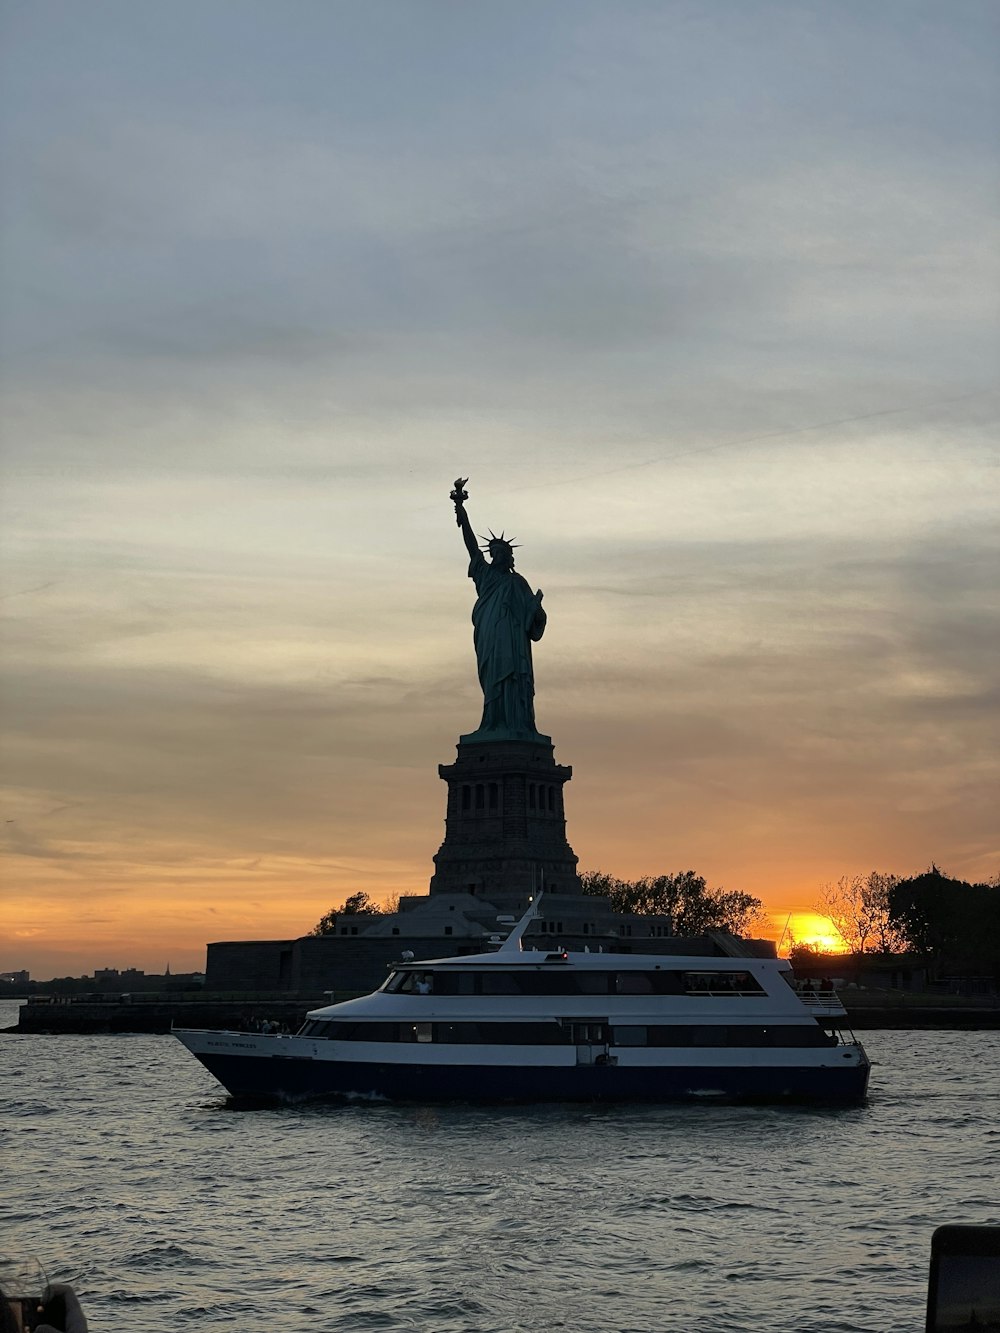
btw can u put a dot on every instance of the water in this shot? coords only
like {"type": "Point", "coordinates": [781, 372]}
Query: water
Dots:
{"type": "Point", "coordinates": [126, 1173]}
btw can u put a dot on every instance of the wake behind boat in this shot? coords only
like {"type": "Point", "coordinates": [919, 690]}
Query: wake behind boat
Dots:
{"type": "Point", "coordinates": [525, 1025]}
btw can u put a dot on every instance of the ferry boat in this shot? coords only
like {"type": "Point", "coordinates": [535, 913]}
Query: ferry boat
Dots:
{"type": "Point", "coordinates": [529, 1025]}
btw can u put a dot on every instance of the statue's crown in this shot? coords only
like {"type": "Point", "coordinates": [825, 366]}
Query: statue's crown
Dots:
{"type": "Point", "coordinates": [493, 539]}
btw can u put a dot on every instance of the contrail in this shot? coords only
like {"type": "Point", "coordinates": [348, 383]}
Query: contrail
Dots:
{"type": "Point", "coordinates": [24, 592]}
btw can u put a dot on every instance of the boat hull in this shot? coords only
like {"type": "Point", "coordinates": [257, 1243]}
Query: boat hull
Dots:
{"type": "Point", "coordinates": [259, 1078]}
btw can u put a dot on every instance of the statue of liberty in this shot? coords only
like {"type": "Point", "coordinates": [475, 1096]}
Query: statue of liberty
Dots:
{"type": "Point", "coordinates": [506, 618]}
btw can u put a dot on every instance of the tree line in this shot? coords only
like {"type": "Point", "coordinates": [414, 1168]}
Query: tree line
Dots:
{"type": "Point", "coordinates": [951, 923]}
{"type": "Point", "coordinates": [685, 897]}
{"type": "Point", "coordinates": [357, 904]}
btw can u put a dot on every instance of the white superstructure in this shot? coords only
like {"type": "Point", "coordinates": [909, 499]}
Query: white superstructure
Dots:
{"type": "Point", "coordinates": [528, 1025]}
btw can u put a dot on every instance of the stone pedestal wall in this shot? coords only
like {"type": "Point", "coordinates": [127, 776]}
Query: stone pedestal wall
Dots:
{"type": "Point", "coordinates": [505, 826]}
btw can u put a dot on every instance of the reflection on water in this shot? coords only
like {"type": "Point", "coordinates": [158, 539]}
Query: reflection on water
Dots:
{"type": "Point", "coordinates": [171, 1211]}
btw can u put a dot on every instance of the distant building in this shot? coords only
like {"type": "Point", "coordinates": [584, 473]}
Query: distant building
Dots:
{"type": "Point", "coordinates": [15, 978]}
{"type": "Point", "coordinates": [113, 974]}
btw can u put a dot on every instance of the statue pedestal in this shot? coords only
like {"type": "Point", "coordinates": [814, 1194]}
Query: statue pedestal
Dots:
{"type": "Point", "coordinates": [505, 829]}
{"type": "Point", "coordinates": [501, 737]}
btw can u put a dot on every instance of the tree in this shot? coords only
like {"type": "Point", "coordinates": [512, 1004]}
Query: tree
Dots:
{"type": "Point", "coordinates": [358, 904]}
{"type": "Point", "coordinates": [803, 955]}
{"type": "Point", "coordinates": [859, 908]}
{"type": "Point", "coordinates": [685, 897]}
{"type": "Point", "coordinates": [948, 920]}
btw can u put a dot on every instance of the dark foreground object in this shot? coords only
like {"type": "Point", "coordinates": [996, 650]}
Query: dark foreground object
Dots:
{"type": "Point", "coordinates": [964, 1279]}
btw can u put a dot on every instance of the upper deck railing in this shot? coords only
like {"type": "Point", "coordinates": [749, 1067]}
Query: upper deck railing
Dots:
{"type": "Point", "coordinates": [822, 1001]}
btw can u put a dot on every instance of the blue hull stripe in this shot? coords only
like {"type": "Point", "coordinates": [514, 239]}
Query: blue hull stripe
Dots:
{"type": "Point", "coordinates": [292, 1080]}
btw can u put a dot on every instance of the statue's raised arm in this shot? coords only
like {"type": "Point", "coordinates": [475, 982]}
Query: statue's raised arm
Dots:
{"type": "Point", "coordinates": [507, 618]}
{"type": "Point", "coordinates": [459, 495]}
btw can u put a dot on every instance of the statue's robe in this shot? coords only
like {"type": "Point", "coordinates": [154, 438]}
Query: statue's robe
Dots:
{"type": "Point", "coordinates": [506, 618]}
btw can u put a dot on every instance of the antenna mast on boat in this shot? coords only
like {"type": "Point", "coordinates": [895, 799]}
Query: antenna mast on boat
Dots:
{"type": "Point", "coordinates": [512, 944]}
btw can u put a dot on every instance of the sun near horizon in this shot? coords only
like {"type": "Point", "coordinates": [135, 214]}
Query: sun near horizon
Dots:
{"type": "Point", "coordinates": [809, 928]}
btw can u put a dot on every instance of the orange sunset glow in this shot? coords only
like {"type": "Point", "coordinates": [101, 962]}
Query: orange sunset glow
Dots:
{"type": "Point", "coordinates": [199, 756]}
{"type": "Point", "coordinates": [812, 929]}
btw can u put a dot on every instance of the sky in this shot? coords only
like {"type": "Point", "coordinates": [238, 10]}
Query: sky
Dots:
{"type": "Point", "coordinates": [702, 297]}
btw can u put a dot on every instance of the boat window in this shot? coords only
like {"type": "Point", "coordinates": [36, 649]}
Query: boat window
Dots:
{"type": "Point", "coordinates": [554, 981]}
{"type": "Point", "coordinates": [800, 1035]}
{"type": "Point", "coordinates": [679, 1034]}
{"type": "Point", "coordinates": [555, 1034]}
{"type": "Point", "coordinates": [676, 1034]}
{"type": "Point", "coordinates": [722, 983]}
{"type": "Point", "coordinates": [360, 1031]}
{"type": "Point", "coordinates": [723, 1034]}
{"type": "Point", "coordinates": [501, 983]}
{"type": "Point", "coordinates": [591, 983]}
{"type": "Point", "coordinates": [454, 983]}
{"type": "Point", "coordinates": [634, 983]}
{"type": "Point", "coordinates": [749, 1036]}
{"type": "Point", "coordinates": [560, 981]}
{"type": "Point", "coordinates": [477, 1034]}
{"type": "Point", "coordinates": [501, 1034]}
{"type": "Point", "coordinates": [707, 1035]}
{"type": "Point", "coordinates": [649, 983]}
{"type": "Point", "coordinates": [457, 983]}
{"type": "Point", "coordinates": [629, 1036]}
{"type": "Point", "coordinates": [411, 983]}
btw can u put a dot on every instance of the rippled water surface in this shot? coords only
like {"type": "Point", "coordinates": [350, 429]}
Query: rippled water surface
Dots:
{"type": "Point", "coordinates": [125, 1172]}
